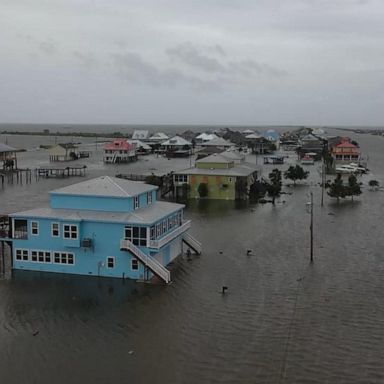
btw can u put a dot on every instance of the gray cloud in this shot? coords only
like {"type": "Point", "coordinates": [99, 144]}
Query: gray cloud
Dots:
{"type": "Point", "coordinates": [133, 68]}
{"type": "Point", "coordinates": [189, 54]}
{"type": "Point", "coordinates": [48, 47]}
{"type": "Point", "coordinates": [269, 61]}
{"type": "Point", "coordinates": [86, 59]}
{"type": "Point", "coordinates": [202, 59]}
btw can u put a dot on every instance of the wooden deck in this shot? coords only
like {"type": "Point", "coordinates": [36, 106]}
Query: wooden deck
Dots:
{"type": "Point", "coordinates": [53, 171]}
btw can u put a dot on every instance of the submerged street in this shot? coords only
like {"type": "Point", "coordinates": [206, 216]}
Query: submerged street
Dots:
{"type": "Point", "coordinates": [281, 320]}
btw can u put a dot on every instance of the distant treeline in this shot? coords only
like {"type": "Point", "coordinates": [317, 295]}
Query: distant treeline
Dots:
{"type": "Point", "coordinates": [82, 134]}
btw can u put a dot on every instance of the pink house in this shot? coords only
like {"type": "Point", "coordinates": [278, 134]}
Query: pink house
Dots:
{"type": "Point", "coordinates": [345, 152]}
{"type": "Point", "coordinates": [119, 151]}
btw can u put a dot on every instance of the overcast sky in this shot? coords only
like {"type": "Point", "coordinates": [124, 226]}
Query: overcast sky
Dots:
{"type": "Point", "coordinates": [318, 62]}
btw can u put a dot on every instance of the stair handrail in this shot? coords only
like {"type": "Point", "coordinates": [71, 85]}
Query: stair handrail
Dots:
{"type": "Point", "coordinates": [149, 261]}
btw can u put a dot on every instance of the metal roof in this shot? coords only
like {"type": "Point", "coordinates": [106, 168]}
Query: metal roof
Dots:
{"type": "Point", "coordinates": [106, 186]}
{"type": "Point", "coordinates": [207, 136]}
{"type": "Point", "coordinates": [140, 134]}
{"type": "Point", "coordinates": [6, 148]}
{"type": "Point", "coordinates": [233, 155]}
{"type": "Point", "coordinates": [159, 136]}
{"type": "Point", "coordinates": [215, 158]}
{"type": "Point", "coordinates": [139, 144]}
{"type": "Point", "coordinates": [176, 140]}
{"type": "Point", "coordinates": [244, 169]}
{"type": "Point", "coordinates": [218, 142]}
{"type": "Point", "coordinates": [146, 215]}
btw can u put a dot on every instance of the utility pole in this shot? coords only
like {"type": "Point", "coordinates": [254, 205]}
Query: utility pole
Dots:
{"type": "Point", "coordinates": [311, 227]}
{"type": "Point", "coordinates": [309, 209]}
{"type": "Point", "coordinates": [322, 182]}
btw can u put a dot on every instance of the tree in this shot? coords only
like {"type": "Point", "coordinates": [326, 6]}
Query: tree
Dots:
{"type": "Point", "coordinates": [337, 188]}
{"type": "Point", "coordinates": [203, 189]}
{"type": "Point", "coordinates": [274, 185]}
{"type": "Point", "coordinates": [328, 160]}
{"type": "Point", "coordinates": [154, 180]}
{"type": "Point", "coordinates": [353, 187]}
{"type": "Point", "coordinates": [257, 189]}
{"type": "Point", "coordinates": [296, 173]}
{"type": "Point", "coordinates": [374, 184]}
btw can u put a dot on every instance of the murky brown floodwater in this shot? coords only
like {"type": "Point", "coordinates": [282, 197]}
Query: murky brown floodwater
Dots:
{"type": "Point", "coordinates": [282, 321]}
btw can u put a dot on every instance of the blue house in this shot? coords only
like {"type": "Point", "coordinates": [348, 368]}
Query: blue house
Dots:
{"type": "Point", "coordinates": [101, 227]}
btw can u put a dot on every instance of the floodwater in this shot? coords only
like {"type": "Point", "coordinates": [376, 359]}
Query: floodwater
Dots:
{"type": "Point", "coordinates": [283, 320]}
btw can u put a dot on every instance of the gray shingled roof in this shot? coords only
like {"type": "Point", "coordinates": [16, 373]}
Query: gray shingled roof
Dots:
{"type": "Point", "coordinates": [145, 215]}
{"type": "Point", "coordinates": [106, 186]}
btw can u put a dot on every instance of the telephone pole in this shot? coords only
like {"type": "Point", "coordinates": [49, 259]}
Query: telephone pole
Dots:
{"type": "Point", "coordinates": [311, 227]}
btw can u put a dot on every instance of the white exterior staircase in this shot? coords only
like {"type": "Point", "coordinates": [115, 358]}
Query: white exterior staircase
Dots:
{"type": "Point", "coordinates": [157, 268]}
{"type": "Point", "coordinates": [192, 242]}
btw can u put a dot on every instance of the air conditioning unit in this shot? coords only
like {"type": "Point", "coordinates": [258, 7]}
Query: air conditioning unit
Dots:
{"type": "Point", "coordinates": [86, 243]}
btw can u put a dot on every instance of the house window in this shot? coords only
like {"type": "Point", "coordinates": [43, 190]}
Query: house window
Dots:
{"type": "Point", "coordinates": [41, 256]}
{"type": "Point", "coordinates": [136, 202]}
{"type": "Point", "coordinates": [134, 265]}
{"type": "Point", "coordinates": [34, 256]}
{"type": "Point", "coordinates": [110, 262]}
{"type": "Point", "coordinates": [149, 198]}
{"type": "Point", "coordinates": [55, 229]}
{"type": "Point", "coordinates": [70, 232]}
{"type": "Point", "coordinates": [70, 258]}
{"type": "Point", "coordinates": [35, 227]}
{"type": "Point", "coordinates": [64, 258]}
{"type": "Point", "coordinates": [136, 235]}
{"type": "Point", "coordinates": [22, 254]}
{"type": "Point", "coordinates": [153, 232]}
{"type": "Point", "coordinates": [47, 257]}
{"type": "Point", "coordinates": [181, 178]}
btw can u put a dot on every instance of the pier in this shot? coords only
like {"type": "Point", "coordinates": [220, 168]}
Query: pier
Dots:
{"type": "Point", "coordinates": [18, 176]}
{"type": "Point", "coordinates": [62, 172]}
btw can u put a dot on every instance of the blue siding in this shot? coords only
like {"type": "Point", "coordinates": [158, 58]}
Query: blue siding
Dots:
{"type": "Point", "coordinates": [88, 261]}
{"type": "Point", "coordinates": [95, 203]}
{"type": "Point", "coordinates": [105, 239]}
{"type": "Point", "coordinates": [92, 203]}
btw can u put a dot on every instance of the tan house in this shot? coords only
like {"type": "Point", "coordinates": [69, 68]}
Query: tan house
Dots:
{"type": "Point", "coordinates": [63, 152]}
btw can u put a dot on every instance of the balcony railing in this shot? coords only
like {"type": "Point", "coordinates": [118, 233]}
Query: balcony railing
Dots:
{"type": "Point", "coordinates": [170, 236]}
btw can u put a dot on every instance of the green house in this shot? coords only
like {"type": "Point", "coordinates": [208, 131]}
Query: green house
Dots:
{"type": "Point", "coordinates": [219, 176]}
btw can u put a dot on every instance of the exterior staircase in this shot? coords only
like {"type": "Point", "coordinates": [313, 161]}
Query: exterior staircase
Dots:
{"type": "Point", "coordinates": [157, 268]}
{"type": "Point", "coordinates": [192, 243]}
